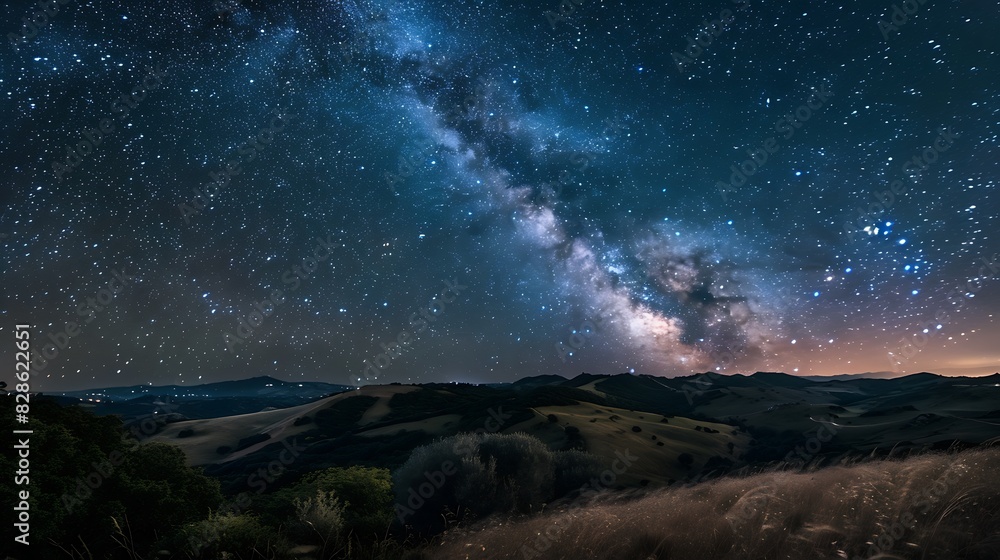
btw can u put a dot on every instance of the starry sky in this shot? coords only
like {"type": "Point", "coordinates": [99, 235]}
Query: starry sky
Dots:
{"type": "Point", "coordinates": [363, 192]}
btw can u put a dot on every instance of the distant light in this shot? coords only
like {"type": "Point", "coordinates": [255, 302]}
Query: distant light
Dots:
{"type": "Point", "coordinates": [794, 341]}
{"type": "Point", "coordinates": [914, 292]}
{"type": "Point", "coordinates": [888, 224]}
{"type": "Point", "coordinates": [798, 173]}
{"type": "Point", "coordinates": [815, 294]}
{"type": "Point", "coordinates": [847, 270]}
{"type": "Point", "coordinates": [902, 242]}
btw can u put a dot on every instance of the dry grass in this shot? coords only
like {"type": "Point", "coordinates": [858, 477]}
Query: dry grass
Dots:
{"type": "Point", "coordinates": [607, 430]}
{"type": "Point", "coordinates": [930, 507]}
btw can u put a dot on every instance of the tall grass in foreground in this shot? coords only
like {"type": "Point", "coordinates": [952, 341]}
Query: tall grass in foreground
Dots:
{"type": "Point", "coordinates": [930, 507]}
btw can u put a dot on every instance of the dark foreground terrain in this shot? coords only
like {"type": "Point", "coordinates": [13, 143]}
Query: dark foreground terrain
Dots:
{"type": "Point", "coordinates": [709, 466]}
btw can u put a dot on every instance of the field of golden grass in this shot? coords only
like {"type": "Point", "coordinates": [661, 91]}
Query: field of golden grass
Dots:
{"type": "Point", "coordinates": [935, 507]}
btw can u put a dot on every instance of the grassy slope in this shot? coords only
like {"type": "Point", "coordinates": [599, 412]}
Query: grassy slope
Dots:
{"type": "Point", "coordinates": [951, 504]}
{"type": "Point", "coordinates": [606, 430]}
{"type": "Point", "coordinates": [210, 434]}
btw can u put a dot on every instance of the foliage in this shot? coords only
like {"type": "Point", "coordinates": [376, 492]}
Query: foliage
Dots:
{"type": "Point", "coordinates": [237, 536]}
{"type": "Point", "coordinates": [321, 519]}
{"type": "Point", "coordinates": [489, 474]}
{"type": "Point", "coordinates": [84, 474]}
{"type": "Point", "coordinates": [366, 494]}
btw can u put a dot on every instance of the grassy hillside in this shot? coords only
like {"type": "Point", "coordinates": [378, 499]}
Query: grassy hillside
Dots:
{"type": "Point", "coordinates": [656, 440]}
{"type": "Point", "coordinates": [683, 428]}
{"type": "Point", "coordinates": [933, 506]}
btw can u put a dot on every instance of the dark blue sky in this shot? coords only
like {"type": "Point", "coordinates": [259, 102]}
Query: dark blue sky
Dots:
{"type": "Point", "coordinates": [505, 192]}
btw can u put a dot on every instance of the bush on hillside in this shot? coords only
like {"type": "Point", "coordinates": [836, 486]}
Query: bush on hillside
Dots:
{"type": "Point", "coordinates": [469, 476]}
{"type": "Point", "coordinates": [364, 492]}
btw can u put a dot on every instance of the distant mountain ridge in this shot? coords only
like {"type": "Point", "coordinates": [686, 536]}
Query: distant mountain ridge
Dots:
{"type": "Point", "coordinates": [255, 386]}
{"type": "Point", "coordinates": [209, 400]}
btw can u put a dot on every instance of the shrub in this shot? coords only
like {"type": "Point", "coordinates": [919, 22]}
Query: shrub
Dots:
{"type": "Point", "coordinates": [365, 492]}
{"type": "Point", "coordinates": [321, 518]}
{"type": "Point", "coordinates": [302, 421]}
{"type": "Point", "coordinates": [573, 469]}
{"type": "Point", "coordinates": [186, 432]}
{"type": "Point", "coordinates": [553, 418]}
{"type": "Point", "coordinates": [685, 459]}
{"type": "Point", "coordinates": [231, 535]}
{"type": "Point", "coordinates": [636, 429]}
{"type": "Point", "coordinates": [493, 473]}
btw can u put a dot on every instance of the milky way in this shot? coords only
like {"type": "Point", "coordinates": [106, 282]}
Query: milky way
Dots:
{"type": "Point", "coordinates": [663, 189]}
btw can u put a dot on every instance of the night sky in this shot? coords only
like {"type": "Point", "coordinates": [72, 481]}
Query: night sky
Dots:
{"type": "Point", "coordinates": [282, 187]}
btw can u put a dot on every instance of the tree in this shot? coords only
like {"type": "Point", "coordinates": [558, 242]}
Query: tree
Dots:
{"type": "Point", "coordinates": [685, 459]}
